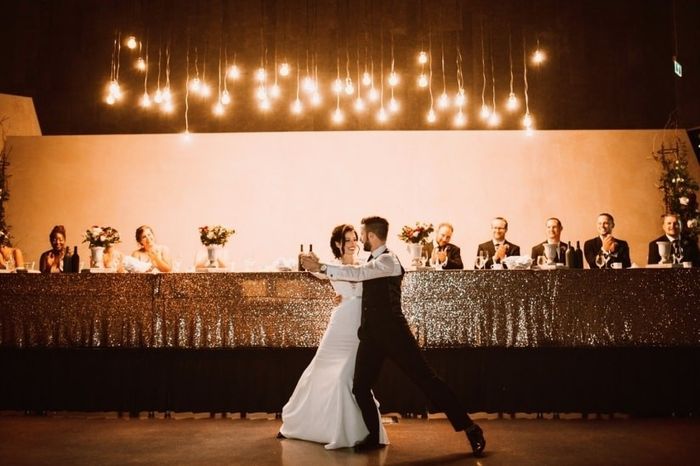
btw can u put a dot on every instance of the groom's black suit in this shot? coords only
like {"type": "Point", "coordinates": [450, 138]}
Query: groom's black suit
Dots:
{"type": "Point", "coordinates": [384, 333]}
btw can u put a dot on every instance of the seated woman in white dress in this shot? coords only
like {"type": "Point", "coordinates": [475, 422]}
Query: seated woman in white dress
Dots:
{"type": "Point", "coordinates": [322, 408]}
{"type": "Point", "coordinates": [150, 252]}
{"type": "Point", "coordinates": [10, 258]}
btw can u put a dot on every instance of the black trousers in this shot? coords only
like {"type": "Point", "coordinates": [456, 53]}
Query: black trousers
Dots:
{"type": "Point", "coordinates": [394, 340]}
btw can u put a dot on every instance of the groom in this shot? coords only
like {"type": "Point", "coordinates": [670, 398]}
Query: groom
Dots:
{"type": "Point", "coordinates": [384, 333]}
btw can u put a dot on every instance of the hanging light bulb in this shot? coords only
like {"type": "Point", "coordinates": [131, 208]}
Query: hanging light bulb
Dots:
{"type": "Point", "coordinates": [443, 100]}
{"type": "Point", "coordinates": [110, 99]}
{"type": "Point", "coordinates": [382, 115]}
{"type": "Point", "coordinates": [275, 91]}
{"type": "Point", "coordinates": [393, 79]}
{"type": "Point", "coordinates": [494, 119]}
{"type": "Point", "coordinates": [297, 107]}
{"type": "Point", "coordinates": [485, 112]}
{"type": "Point", "coordinates": [261, 93]}
{"type": "Point", "coordinates": [131, 42]}
{"type": "Point", "coordinates": [359, 104]}
{"type": "Point", "coordinates": [349, 88]}
{"type": "Point", "coordinates": [284, 69]}
{"type": "Point", "coordinates": [260, 75]}
{"type": "Point", "coordinates": [316, 99]}
{"type": "Point", "coordinates": [114, 89]}
{"type": "Point", "coordinates": [158, 98]}
{"type": "Point", "coordinates": [527, 121]}
{"type": "Point", "coordinates": [167, 95]}
{"type": "Point", "coordinates": [205, 90]}
{"type": "Point", "coordinates": [538, 57]}
{"type": "Point", "coordinates": [393, 105]}
{"type": "Point", "coordinates": [337, 86]}
{"type": "Point", "coordinates": [234, 72]}
{"type": "Point", "coordinates": [308, 84]}
{"type": "Point", "coordinates": [366, 79]}
{"type": "Point", "coordinates": [168, 107]}
{"type": "Point", "coordinates": [460, 98]}
{"type": "Point", "coordinates": [422, 58]}
{"type": "Point", "coordinates": [422, 80]}
{"type": "Point", "coordinates": [512, 102]}
{"type": "Point", "coordinates": [373, 95]}
{"type": "Point", "coordinates": [431, 117]}
{"type": "Point", "coordinates": [195, 85]}
{"type": "Point", "coordinates": [140, 64]}
{"type": "Point", "coordinates": [145, 100]}
{"type": "Point", "coordinates": [338, 116]}
{"type": "Point", "coordinates": [225, 97]}
{"type": "Point", "coordinates": [460, 120]}
{"type": "Point", "coordinates": [218, 109]}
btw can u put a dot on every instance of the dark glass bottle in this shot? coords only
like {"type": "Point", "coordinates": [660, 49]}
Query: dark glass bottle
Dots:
{"type": "Point", "coordinates": [311, 248]}
{"type": "Point", "coordinates": [301, 251]}
{"type": "Point", "coordinates": [67, 260]}
{"type": "Point", "coordinates": [579, 255]}
{"type": "Point", "coordinates": [76, 260]}
{"type": "Point", "coordinates": [570, 256]}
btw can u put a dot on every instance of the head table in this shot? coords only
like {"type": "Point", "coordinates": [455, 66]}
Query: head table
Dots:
{"type": "Point", "coordinates": [486, 331]}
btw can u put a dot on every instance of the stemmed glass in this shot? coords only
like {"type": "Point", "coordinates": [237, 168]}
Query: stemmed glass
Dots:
{"type": "Point", "coordinates": [600, 260]}
{"type": "Point", "coordinates": [541, 261]}
{"type": "Point", "coordinates": [424, 257]}
{"type": "Point", "coordinates": [677, 254]}
{"type": "Point", "coordinates": [479, 262]}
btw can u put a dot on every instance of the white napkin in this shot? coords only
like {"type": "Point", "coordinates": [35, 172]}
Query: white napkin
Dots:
{"type": "Point", "coordinates": [517, 262]}
{"type": "Point", "coordinates": [133, 265]}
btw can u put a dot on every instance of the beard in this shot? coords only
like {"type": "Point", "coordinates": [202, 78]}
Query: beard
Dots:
{"type": "Point", "coordinates": [366, 247]}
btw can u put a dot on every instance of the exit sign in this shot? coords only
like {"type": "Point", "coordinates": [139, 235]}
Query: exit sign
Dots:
{"type": "Point", "coordinates": [677, 68]}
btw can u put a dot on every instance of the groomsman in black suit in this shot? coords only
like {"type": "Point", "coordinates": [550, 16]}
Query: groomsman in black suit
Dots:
{"type": "Point", "coordinates": [613, 249]}
{"type": "Point", "coordinates": [672, 233]}
{"type": "Point", "coordinates": [554, 228]}
{"type": "Point", "coordinates": [498, 248]}
{"type": "Point", "coordinates": [384, 334]}
{"type": "Point", "coordinates": [444, 251]}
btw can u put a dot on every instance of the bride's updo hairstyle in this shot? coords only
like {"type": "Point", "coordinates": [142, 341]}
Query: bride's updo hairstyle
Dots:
{"type": "Point", "coordinates": [338, 236]}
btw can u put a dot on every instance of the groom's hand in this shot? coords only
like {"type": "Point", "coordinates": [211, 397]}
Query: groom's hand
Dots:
{"type": "Point", "coordinates": [310, 262]}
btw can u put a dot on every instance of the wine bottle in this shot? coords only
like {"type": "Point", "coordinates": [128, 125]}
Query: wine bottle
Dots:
{"type": "Point", "coordinates": [570, 256]}
{"type": "Point", "coordinates": [579, 255]}
{"type": "Point", "coordinates": [311, 248]}
{"type": "Point", "coordinates": [76, 261]}
{"type": "Point", "coordinates": [301, 251]}
{"type": "Point", "coordinates": [67, 261]}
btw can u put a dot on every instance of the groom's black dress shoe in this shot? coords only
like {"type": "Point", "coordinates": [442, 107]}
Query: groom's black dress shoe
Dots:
{"type": "Point", "coordinates": [476, 439]}
{"type": "Point", "coordinates": [280, 435]}
{"type": "Point", "coordinates": [367, 445]}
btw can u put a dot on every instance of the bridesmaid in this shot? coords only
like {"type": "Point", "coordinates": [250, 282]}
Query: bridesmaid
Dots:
{"type": "Point", "coordinates": [7, 252]}
{"type": "Point", "coordinates": [52, 261]}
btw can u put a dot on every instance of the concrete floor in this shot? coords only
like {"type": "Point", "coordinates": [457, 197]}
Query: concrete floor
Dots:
{"type": "Point", "coordinates": [102, 438]}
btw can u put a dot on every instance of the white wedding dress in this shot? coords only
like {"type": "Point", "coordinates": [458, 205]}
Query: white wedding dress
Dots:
{"type": "Point", "coordinates": [322, 408]}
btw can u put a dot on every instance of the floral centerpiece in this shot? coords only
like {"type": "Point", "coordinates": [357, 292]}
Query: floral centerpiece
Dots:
{"type": "Point", "coordinates": [101, 237]}
{"type": "Point", "coordinates": [416, 235]}
{"type": "Point", "coordinates": [215, 235]}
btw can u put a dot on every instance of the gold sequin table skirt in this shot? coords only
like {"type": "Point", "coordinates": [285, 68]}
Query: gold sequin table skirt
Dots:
{"type": "Point", "coordinates": [559, 308]}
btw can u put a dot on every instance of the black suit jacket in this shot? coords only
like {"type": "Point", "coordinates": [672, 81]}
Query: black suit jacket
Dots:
{"type": "Point", "coordinates": [690, 251]}
{"type": "Point", "coordinates": [593, 246]}
{"type": "Point", "coordinates": [454, 256]}
{"type": "Point", "coordinates": [538, 250]}
{"type": "Point", "coordinates": [490, 249]}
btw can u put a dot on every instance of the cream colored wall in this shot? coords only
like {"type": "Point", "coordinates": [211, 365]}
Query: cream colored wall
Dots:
{"type": "Point", "coordinates": [282, 189]}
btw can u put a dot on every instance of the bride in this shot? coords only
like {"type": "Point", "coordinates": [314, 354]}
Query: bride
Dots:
{"type": "Point", "coordinates": [322, 408]}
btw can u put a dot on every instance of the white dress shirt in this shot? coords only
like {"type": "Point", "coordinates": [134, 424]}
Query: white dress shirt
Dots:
{"type": "Point", "coordinates": [379, 266]}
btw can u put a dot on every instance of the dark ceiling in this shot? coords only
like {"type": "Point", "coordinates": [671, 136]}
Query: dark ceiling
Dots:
{"type": "Point", "coordinates": [609, 62]}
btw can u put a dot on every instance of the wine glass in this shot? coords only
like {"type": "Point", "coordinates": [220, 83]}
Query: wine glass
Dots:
{"type": "Point", "coordinates": [424, 257]}
{"type": "Point", "coordinates": [479, 262]}
{"type": "Point", "coordinates": [541, 261]}
{"type": "Point", "coordinates": [435, 262]}
{"type": "Point", "coordinates": [677, 254]}
{"type": "Point", "coordinates": [600, 260]}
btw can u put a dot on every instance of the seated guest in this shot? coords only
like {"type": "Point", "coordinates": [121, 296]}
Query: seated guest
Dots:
{"type": "Point", "coordinates": [498, 248]}
{"type": "Point", "coordinates": [443, 251]}
{"type": "Point", "coordinates": [113, 259]}
{"type": "Point", "coordinates": [554, 228]}
{"type": "Point", "coordinates": [52, 261]}
{"type": "Point", "coordinates": [611, 248]}
{"type": "Point", "coordinates": [672, 233]}
{"type": "Point", "coordinates": [155, 254]}
{"type": "Point", "coordinates": [8, 254]}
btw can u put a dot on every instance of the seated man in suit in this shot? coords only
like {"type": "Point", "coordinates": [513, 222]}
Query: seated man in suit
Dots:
{"type": "Point", "coordinates": [611, 248]}
{"type": "Point", "coordinates": [672, 233]}
{"type": "Point", "coordinates": [498, 248]}
{"type": "Point", "coordinates": [444, 251]}
{"type": "Point", "coordinates": [554, 228]}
